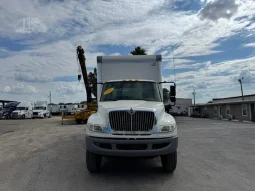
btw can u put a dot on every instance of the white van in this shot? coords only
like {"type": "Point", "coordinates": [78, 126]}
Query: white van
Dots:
{"type": "Point", "coordinates": [23, 110]}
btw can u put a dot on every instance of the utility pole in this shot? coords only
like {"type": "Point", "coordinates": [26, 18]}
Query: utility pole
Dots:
{"type": "Point", "coordinates": [50, 103]}
{"type": "Point", "coordinates": [194, 94]}
{"type": "Point", "coordinates": [174, 66]}
{"type": "Point", "coordinates": [50, 97]}
{"type": "Point", "coordinates": [241, 83]}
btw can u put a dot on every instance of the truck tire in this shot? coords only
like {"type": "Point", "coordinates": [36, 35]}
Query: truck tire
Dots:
{"type": "Point", "coordinates": [93, 162]}
{"type": "Point", "coordinates": [23, 117]}
{"type": "Point", "coordinates": [78, 121]}
{"type": "Point", "coordinates": [169, 162]}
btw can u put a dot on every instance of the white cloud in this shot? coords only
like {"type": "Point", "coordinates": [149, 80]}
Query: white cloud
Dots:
{"type": "Point", "coordinates": [217, 9]}
{"type": "Point", "coordinates": [217, 79]}
{"type": "Point", "coordinates": [249, 45]}
{"type": "Point", "coordinates": [69, 89]}
{"type": "Point", "coordinates": [19, 88]}
{"type": "Point", "coordinates": [115, 54]}
{"type": "Point", "coordinates": [246, 76]}
{"type": "Point", "coordinates": [32, 77]}
{"type": "Point", "coordinates": [65, 24]}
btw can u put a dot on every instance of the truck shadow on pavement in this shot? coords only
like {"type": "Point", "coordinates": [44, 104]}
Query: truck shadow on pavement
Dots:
{"type": "Point", "coordinates": [124, 166]}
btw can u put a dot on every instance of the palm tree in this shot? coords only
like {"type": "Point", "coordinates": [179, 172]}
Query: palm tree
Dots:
{"type": "Point", "coordinates": [138, 51]}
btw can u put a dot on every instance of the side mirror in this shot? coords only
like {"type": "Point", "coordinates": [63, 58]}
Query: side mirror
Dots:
{"type": "Point", "coordinates": [172, 91]}
{"type": "Point", "coordinates": [79, 77]}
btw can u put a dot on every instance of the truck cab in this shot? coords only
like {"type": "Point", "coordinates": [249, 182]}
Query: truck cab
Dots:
{"type": "Point", "coordinates": [41, 110]}
{"type": "Point", "coordinates": [23, 110]}
{"type": "Point", "coordinates": [131, 122]}
{"type": "Point", "coordinates": [8, 109]}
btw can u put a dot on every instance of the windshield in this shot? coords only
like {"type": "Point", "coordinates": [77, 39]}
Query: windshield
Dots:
{"type": "Point", "coordinates": [20, 108]}
{"type": "Point", "coordinates": [113, 91]}
{"type": "Point", "coordinates": [40, 108]}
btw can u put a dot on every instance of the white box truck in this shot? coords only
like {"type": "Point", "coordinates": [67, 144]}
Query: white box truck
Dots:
{"type": "Point", "coordinates": [41, 110]}
{"type": "Point", "coordinates": [23, 110]}
{"type": "Point", "coordinates": [131, 120]}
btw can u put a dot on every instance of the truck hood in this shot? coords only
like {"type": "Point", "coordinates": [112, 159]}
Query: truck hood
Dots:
{"type": "Point", "coordinates": [38, 110]}
{"type": "Point", "coordinates": [19, 111]}
{"type": "Point", "coordinates": [128, 104]}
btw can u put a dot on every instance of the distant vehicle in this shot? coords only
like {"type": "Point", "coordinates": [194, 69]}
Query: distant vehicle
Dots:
{"type": "Point", "coordinates": [53, 109]}
{"type": "Point", "coordinates": [179, 110]}
{"type": "Point", "coordinates": [71, 109]}
{"type": "Point", "coordinates": [63, 108]}
{"type": "Point", "coordinates": [23, 110]}
{"type": "Point", "coordinates": [41, 110]}
{"type": "Point", "coordinates": [1, 110]}
{"type": "Point", "coordinates": [81, 107]}
{"type": "Point", "coordinates": [8, 109]}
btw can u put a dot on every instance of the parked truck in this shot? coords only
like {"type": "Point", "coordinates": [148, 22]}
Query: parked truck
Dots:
{"type": "Point", "coordinates": [41, 110]}
{"type": "Point", "coordinates": [8, 109]}
{"type": "Point", "coordinates": [24, 110]}
{"type": "Point", "coordinates": [131, 120]}
{"type": "Point", "coordinates": [1, 111]}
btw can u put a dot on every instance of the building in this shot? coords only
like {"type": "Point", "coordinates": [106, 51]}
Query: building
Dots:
{"type": "Point", "coordinates": [231, 108]}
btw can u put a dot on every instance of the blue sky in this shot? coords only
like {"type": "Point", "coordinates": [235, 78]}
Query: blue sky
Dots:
{"type": "Point", "coordinates": [213, 43]}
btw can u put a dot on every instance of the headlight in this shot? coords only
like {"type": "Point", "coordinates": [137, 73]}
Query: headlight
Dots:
{"type": "Point", "coordinates": [96, 128]}
{"type": "Point", "coordinates": [168, 128]}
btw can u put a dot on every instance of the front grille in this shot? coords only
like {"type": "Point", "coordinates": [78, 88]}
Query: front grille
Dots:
{"type": "Point", "coordinates": [14, 113]}
{"type": "Point", "coordinates": [35, 113]}
{"type": "Point", "coordinates": [124, 121]}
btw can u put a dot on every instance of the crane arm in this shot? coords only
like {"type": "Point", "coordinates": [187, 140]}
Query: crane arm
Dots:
{"type": "Point", "coordinates": [82, 61]}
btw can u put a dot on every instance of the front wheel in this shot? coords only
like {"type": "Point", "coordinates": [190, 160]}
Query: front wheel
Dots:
{"type": "Point", "coordinates": [23, 116]}
{"type": "Point", "coordinates": [169, 162]}
{"type": "Point", "coordinates": [93, 162]}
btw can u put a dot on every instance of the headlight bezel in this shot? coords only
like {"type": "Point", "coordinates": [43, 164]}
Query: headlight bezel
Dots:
{"type": "Point", "coordinates": [168, 128]}
{"type": "Point", "coordinates": [95, 128]}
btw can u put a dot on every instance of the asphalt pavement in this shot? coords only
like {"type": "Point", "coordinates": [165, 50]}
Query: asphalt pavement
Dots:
{"type": "Point", "coordinates": [42, 154]}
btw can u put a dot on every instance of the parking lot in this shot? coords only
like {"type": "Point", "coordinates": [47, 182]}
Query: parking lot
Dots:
{"type": "Point", "coordinates": [42, 154]}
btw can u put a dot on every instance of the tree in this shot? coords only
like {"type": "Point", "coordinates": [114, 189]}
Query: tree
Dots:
{"type": "Point", "coordinates": [138, 51]}
{"type": "Point", "coordinates": [93, 80]}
